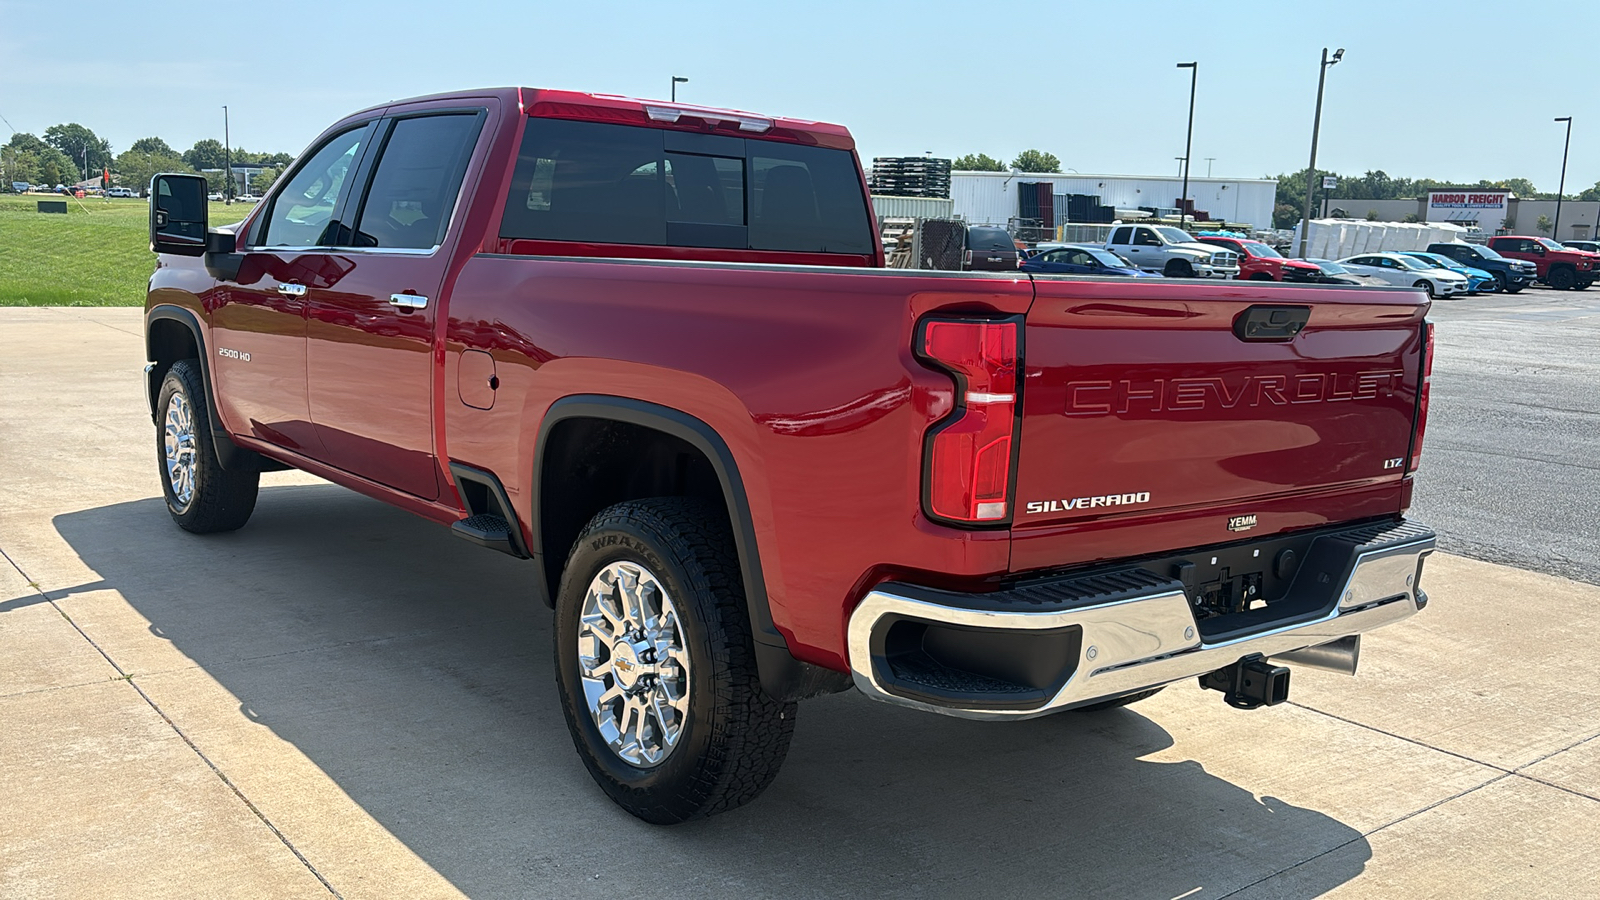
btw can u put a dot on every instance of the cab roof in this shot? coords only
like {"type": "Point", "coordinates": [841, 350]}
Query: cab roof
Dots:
{"type": "Point", "coordinates": [619, 110]}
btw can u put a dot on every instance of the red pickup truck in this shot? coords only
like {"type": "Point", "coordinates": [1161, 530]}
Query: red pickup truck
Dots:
{"type": "Point", "coordinates": [1562, 268]}
{"type": "Point", "coordinates": [1259, 262]}
{"type": "Point", "coordinates": [652, 349]}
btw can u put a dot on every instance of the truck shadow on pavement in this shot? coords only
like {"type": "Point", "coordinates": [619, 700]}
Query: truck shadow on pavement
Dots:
{"type": "Point", "coordinates": [414, 670]}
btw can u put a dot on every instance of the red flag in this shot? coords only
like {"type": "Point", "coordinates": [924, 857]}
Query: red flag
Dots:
{"type": "Point", "coordinates": [107, 176]}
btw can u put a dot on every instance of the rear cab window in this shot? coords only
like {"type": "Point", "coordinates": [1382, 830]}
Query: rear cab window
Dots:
{"type": "Point", "coordinates": [602, 183]}
{"type": "Point", "coordinates": [986, 238]}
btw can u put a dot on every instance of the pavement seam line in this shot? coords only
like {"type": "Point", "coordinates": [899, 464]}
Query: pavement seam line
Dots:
{"type": "Point", "coordinates": [124, 676]}
{"type": "Point", "coordinates": [1517, 772]}
{"type": "Point", "coordinates": [1366, 834]}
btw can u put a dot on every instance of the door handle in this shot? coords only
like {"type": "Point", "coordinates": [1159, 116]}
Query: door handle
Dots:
{"type": "Point", "coordinates": [408, 301]}
{"type": "Point", "coordinates": [292, 290]}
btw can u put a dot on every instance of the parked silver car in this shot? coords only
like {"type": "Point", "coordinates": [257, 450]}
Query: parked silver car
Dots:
{"type": "Point", "coordinates": [1407, 271]}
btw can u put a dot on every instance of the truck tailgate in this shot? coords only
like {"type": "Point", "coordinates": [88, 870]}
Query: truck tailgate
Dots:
{"type": "Point", "coordinates": [1138, 408]}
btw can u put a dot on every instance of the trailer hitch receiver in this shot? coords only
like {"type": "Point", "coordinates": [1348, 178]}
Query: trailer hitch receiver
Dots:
{"type": "Point", "coordinates": [1250, 682]}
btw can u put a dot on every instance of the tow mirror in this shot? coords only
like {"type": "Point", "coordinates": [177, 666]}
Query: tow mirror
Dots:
{"type": "Point", "coordinates": [178, 214]}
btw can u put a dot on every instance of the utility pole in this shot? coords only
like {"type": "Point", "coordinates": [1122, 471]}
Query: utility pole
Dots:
{"type": "Point", "coordinates": [1316, 126]}
{"type": "Point", "coordinates": [1555, 231]}
{"type": "Point", "coordinates": [1188, 143]}
{"type": "Point", "coordinates": [677, 80]}
{"type": "Point", "coordinates": [227, 156]}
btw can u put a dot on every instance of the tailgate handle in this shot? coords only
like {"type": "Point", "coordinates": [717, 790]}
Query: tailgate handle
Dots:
{"type": "Point", "coordinates": [1271, 323]}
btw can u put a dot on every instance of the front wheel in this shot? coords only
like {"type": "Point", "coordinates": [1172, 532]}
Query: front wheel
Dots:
{"type": "Point", "coordinates": [1178, 268]}
{"type": "Point", "coordinates": [1426, 285]}
{"type": "Point", "coordinates": [202, 496]}
{"type": "Point", "coordinates": [1499, 283]}
{"type": "Point", "coordinates": [656, 667]}
{"type": "Point", "coordinates": [1562, 279]}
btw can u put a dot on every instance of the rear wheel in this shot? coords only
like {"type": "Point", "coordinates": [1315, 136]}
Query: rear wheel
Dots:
{"type": "Point", "coordinates": [1178, 268]}
{"type": "Point", "coordinates": [1425, 285]}
{"type": "Point", "coordinates": [202, 496]}
{"type": "Point", "coordinates": [656, 667]}
{"type": "Point", "coordinates": [1562, 278]}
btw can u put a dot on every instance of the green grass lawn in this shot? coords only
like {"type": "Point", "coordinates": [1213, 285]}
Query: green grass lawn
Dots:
{"type": "Point", "coordinates": [98, 254]}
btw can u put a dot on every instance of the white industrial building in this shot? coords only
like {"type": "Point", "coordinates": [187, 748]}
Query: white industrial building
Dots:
{"type": "Point", "coordinates": [990, 198]}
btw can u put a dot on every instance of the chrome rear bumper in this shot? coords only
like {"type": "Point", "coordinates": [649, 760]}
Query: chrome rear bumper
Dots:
{"type": "Point", "coordinates": [1126, 629]}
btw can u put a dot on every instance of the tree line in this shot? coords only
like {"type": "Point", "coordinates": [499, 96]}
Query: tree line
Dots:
{"type": "Point", "coordinates": [69, 153]}
{"type": "Point", "coordinates": [1377, 184]}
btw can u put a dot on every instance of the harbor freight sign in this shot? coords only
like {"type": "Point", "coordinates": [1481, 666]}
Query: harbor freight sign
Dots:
{"type": "Point", "coordinates": [1467, 200]}
{"type": "Point", "coordinates": [1484, 210]}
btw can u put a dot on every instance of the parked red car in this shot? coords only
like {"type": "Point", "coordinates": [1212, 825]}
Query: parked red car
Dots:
{"type": "Point", "coordinates": [1262, 263]}
{"type": "Point", "coordinates": [1559, 267]}
{"type": "Point", "coordinates": [652, 349]}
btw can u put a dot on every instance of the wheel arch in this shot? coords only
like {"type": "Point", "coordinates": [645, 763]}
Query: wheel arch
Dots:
{"type": "Point", "coordinates": [594, 450]}
{"type": "Point", "coordinates": [171, 333]}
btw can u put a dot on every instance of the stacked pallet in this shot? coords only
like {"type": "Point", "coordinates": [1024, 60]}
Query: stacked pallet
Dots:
{"type": "Point", "coordinates": [911, 176]}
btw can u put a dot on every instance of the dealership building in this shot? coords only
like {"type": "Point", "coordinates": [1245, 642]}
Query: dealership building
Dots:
{"type": "Point", "coordinates": [1491, 212]}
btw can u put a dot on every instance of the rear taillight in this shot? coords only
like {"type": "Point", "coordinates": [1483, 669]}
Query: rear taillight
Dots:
{"type": "Point", "coordinates": [1421, 424]}
{"type": "Point", "coordinates": [968, 468]}
{"type": "Point", "coordinates": [966, 257]}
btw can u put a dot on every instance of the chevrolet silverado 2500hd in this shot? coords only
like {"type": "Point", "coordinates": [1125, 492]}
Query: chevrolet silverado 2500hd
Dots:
{"type": "Point", "coordinates": [652, 349]}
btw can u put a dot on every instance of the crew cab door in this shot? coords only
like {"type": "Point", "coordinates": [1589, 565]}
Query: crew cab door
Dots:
{"type": "Point", "coordinates": [258, 319]}
{"type": "Point", "coordinates": [370, 336]}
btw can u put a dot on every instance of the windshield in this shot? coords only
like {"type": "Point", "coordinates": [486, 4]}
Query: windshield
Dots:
{"type": "Point", "coordinates": [1439, 262]}
{"type": "Point", "coordinates": [1549, 244]}
{"type": "Point", "coordinates": [1107, 258]}
{"type": "Point", "coordinates": [1175, 235]}
{"type": "Point", "coordinates": [1333, 268]}
{"type": "Point", "coordinates": [1487, 253]}
{"type": "Point", "coordinates": [1257, 248]}
{"type": "Point", "coordinates": [1412, 262]}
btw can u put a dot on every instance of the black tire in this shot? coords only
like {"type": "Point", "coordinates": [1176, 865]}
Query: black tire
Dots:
{"type": "Point", "coordinates": [1499, 282]}
{"type": "Point", "coordinates": [1562, 278]}
{"type": "Point", "coordinates": [1178, 268]}
{"type": "Point", "coordinates": [218, 499]}
{"type": "Point", "coordinates": [1425, 285]}
{"type": "Point", "coordinates": [1584, 285]}
{"type": "Point", "coordinates": [735, 736]}
{"type": "Point", "coordinates": [1117, 702]}
{"type": "Point", "coordinates": [1515, 290]}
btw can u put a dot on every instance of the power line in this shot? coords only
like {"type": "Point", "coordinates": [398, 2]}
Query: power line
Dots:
{"type": "Point", "coordinates": [8, 124]}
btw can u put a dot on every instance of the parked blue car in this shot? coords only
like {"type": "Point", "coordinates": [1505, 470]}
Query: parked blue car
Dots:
{"type": "Point", "coordinates": [1478, 281]}
{"type": "Point", "coordinates": [1078, 260]}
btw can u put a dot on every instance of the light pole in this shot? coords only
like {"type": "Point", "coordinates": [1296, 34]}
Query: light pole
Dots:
{"type": "Point", "coordinates": [677, 80]}
{"type": "Point", "coordinates": [1209, 161]}
{"type": "Point", "coordinates": [227, 156]}
{"type": "Point", "coordinates": [1556, 229]}
{"type": "Point", "coordinates": [1316, 126]}
{"type": "Point", "coordinates": [1188, 143]}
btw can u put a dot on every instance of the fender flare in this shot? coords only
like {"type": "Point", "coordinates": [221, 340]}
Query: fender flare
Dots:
{"type": "Point", "coordinates": [229, 455]}
{"type": "Point", "coordinates": [782, 676]}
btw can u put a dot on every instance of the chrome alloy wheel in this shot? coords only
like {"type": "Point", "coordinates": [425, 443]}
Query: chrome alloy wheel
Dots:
{"type": "Point", "coordinates": [180, 448]}
{"type": "Point", "coordinates": [633, 664]}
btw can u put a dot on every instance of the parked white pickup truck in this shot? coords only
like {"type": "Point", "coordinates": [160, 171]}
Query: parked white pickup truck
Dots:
{"type": "Point", "coordinates": [1172, 252]}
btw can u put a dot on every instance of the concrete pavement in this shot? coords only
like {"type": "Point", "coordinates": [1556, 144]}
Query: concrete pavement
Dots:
{"type": "Point", "coordinates": [344, 700]}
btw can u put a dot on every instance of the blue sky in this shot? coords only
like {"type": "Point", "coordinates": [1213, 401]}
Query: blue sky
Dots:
{"type": "Point", "coordinates": [1462, 91]}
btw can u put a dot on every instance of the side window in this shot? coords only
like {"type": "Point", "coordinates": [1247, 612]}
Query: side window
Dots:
{"type": "Point", "coordinates": [302, 213]}
{"type": "Point", "coordinates": [413, 189]}
{"type": "Point", "coordinates": [1144, 237]}
{"type": "Point", "coordinates": [1078, 258]}
{"type": "Point", "coordinates": [1121, 235]}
